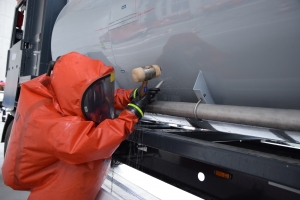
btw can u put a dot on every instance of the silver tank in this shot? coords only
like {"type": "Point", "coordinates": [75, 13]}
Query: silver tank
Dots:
{"type": "Point", "coordinates": [228, 52]}
{"type": "Point", "coordinates": [248, 52]}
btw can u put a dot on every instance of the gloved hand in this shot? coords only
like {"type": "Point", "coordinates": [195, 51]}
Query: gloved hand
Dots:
{"type": "Point", "coordinates": [139, 105]}
{"type": "Point", "coordinates": [135, 93]}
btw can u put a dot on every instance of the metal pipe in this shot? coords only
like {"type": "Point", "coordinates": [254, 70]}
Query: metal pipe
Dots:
{"type": "Point", "coordinates": [262, 117]}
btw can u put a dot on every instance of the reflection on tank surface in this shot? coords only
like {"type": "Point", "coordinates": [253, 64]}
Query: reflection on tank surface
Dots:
{"type": "Point", "coordinates": [246, 50]}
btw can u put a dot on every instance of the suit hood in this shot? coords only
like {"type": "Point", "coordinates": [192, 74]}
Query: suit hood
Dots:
{"type": "Point", "coordinates": [71, 75]}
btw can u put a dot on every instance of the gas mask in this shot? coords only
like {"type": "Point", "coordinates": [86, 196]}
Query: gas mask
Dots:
{"type": "Point", "coordinates": [98, 99]}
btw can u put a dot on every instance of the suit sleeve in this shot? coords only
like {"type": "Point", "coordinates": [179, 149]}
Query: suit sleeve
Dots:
{"type": "Point", "coordinates": [82, 142]}
{"type": "Point", "coordinates": [122, 98]}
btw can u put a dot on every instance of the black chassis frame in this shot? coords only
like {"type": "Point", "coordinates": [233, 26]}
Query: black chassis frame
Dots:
{"type": "Point", "coordinates": [256, 170]}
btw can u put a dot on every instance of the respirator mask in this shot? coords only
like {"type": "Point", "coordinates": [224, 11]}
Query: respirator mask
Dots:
{"type": "Point", "coordinates": [98, 99]}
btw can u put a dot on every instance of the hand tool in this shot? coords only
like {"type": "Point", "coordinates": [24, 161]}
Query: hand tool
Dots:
{"type": "Point", "coordinates": [144, 74]}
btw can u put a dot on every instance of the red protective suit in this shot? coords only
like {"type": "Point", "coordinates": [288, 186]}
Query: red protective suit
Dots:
{"type": "Point", "coordinates": [53, 151]}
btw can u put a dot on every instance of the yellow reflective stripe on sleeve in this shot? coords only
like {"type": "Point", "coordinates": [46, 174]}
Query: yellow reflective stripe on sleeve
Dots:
{"type": "Point", "coordinates": [134, 93]}
{"type": "Point", "coordinates": [136, 107]}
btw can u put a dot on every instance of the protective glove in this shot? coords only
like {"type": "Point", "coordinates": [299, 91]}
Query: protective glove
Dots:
{"type": "Point", "coordinates": [139, 105]}
{"type": "Point", "coordinates": [135, 93]}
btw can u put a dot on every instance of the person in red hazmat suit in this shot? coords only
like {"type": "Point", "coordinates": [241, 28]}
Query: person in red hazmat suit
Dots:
{"type": "Point", "coordinates": [64, 130]}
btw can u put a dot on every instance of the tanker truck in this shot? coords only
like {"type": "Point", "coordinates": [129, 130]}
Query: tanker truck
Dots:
{"type": "Point", "coordinates": [229, 106]}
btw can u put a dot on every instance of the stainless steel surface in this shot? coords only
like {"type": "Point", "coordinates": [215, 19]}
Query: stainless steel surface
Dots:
{"type": "Point", "coordinates": [261, 117]}
{"type": "Point", "coordinates": [247, 51]}
{"type": "Point", "coordinates": [201, 90]}
{"type": "Point", "coordinates": [159, 84]}
{"type": "Point", "coordinates": [13, 72]}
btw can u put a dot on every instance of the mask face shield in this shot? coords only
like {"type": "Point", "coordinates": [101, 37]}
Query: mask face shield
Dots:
{"type": "Point", "coordinates": [98, 100]}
